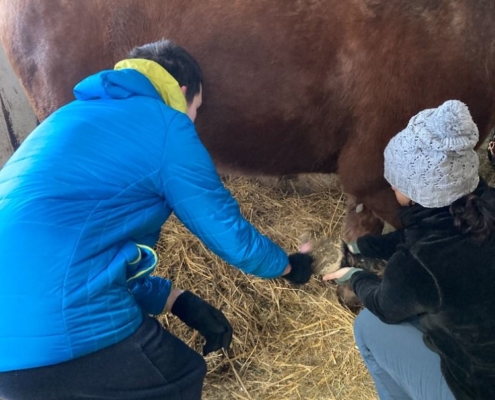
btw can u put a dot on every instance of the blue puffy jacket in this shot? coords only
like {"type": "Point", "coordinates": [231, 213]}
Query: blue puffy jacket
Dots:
{"type": "Point", "coordinates": [82, 202]}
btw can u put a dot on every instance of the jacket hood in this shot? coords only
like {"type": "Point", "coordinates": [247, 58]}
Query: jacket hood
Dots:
{"type": "Point", "coordinates": [111, 84]}
{"type": "Point", "coordinates": [164, 83]}
{"type": "Point", "coordinates": [133, 77]}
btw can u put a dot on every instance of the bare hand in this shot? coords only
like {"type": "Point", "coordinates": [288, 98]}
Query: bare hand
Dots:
{"type": "Point", "coordinates": [305, 247]}
{"type": "Point", "coordinates": [336, 275]}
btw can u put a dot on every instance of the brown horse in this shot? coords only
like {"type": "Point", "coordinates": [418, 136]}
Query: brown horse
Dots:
{"type": "Point", "coordinates": [291, 86]}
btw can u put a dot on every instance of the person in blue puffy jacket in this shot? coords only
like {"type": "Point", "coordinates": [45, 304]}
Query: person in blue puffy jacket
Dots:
{"type": "Point", "coordinates": [82, 202]}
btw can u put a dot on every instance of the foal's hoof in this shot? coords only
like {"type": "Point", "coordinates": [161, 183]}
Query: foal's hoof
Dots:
{"type": "Point", "coordinates": [327, 253]}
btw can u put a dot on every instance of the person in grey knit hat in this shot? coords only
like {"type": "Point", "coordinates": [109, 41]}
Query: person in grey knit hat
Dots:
{"type": "Point", "coordinates": [427, 328]}
{"type": "Point", "coordinates": [432, 161]}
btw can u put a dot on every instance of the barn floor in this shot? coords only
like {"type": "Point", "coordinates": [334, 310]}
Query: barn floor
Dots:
{"type": "Point", "coordinates": [289, 343]}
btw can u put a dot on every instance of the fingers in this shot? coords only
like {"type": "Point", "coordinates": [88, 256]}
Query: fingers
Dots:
{"type": "Point", "coordinates": [217, 341]}
{"type": "Point", "coordinates": [305, 247]}
{"type": "Point", "coordinates": [227, 335]}
{"type": "Point", "coordinates": [227, 339]}
{"type": "Point", "coordinates": [220, 335]}
{"type": "Point", "coordinates": [329, 277]}
{"type": "Point", "coordinates": [212, 344]}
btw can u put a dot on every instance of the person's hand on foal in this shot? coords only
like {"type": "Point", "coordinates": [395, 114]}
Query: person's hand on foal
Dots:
{"type": "Point", "coordinates": [300, 266]}
{"type": "Point", "coordinates": [336, 274]}
{"type": "Point", "coordinates": [342, 275]}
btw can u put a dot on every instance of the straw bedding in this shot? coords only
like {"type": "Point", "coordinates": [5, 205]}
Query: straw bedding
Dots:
{"type": "Point", "coordinates": [289, 343]}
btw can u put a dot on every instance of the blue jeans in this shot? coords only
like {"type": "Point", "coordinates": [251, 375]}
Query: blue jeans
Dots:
{"type": "Point", "coordinates": [401, 365]}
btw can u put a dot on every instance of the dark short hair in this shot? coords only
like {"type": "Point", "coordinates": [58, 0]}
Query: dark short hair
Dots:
{"type": "Point", "coordinates": [177, 61]}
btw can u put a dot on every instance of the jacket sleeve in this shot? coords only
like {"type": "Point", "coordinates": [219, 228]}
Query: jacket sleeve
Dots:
{"type": "Point", "coordinates": [406, 290]}
{"type": "Point", "coordinates": [380, 246]}
{"type": "Point", "coordinates": [194, 191]}
{"type": "Point", "coordinates": [151, 293]}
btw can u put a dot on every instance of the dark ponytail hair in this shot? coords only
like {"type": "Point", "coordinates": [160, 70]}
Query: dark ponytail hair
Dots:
{"type": "Point", "coordinates": [474, 215]}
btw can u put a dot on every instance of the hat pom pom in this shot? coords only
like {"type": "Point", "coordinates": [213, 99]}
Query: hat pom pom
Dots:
{"type": "Point", "coordinates": [453, 129]}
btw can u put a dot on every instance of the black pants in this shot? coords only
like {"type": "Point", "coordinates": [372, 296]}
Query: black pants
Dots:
{"type": "Point", "coordinates": [152, 364]}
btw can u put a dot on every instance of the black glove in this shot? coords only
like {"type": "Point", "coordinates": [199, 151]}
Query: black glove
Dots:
{"type": "Point", "coordinates": [206, 319]}
{"type": "Point", "coordinates": [301, 268]}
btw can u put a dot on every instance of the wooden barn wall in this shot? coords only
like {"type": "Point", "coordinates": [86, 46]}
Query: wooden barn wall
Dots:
{"type": "Point", "coordinates": [17, 119]}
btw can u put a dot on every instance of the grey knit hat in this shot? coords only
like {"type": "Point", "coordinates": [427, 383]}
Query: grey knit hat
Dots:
{"type": "Point", "coordinates": [433, 161]}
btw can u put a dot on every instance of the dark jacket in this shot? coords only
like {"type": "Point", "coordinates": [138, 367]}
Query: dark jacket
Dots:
{"type": "Point", "coordinates": [447, 279]}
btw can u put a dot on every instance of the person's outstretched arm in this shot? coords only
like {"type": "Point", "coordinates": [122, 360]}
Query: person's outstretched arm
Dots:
{"type": "Point", "coordinates": [196, 194]}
